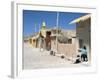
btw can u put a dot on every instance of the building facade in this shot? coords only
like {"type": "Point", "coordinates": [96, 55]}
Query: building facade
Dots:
{"type": "Point", "coordinates": [83, 33]}
{"type": "Point", "coordinates": [64, 44]}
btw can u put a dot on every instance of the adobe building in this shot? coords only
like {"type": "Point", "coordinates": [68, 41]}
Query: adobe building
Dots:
{"type": "Point", "coordinates": [68, 48]}
{"type": "Point", "coordinates": [46, 34]}
{"type": "Point", "coordinates": [43, 33]}
{"type": "Point", "coordinates": [64, 43]}
{"type": "Point", "coordinates": [83, 33]}
{"type": "Point", "coordinates": [32, 40]}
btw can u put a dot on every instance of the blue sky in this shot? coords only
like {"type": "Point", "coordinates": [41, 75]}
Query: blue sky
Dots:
{"type": "Point", "coordinates": [32, 20]}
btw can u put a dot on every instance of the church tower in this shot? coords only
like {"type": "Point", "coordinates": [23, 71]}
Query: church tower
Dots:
{"type": "Point", "coordinates": [43, 25]}
{"type": "Point", "coordinates": [43, 29]}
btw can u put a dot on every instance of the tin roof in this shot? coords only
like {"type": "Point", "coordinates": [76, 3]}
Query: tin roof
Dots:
{"type": "Point", "coordinates": [83, 18]}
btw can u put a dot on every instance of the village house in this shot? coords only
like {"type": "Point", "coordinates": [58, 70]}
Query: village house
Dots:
{"type": "Point", "coordinates": [60, 41]}
{"type": "Point", "coordinates": [32, 40]}
{"type": "Point", "coordinates": [83, 32]}
{"type": "Point", "coordinates": [63, 43]}
{"type": "Point", "coordinates": [45, 34]}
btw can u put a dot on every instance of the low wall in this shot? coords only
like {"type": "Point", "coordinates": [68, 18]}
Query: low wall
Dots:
{"type": "Point", "coordinates": [68, 50]}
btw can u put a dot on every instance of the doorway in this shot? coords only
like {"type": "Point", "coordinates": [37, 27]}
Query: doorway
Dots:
{"type": "Point", "coordinates": [80, 43]}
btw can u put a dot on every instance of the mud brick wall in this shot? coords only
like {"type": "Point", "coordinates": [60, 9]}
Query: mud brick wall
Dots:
{"type": "Point", "coordinates": [69, 50]}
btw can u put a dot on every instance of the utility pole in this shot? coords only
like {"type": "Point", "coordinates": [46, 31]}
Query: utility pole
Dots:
{"type": "Point", "coordinates": [35, 28]}
{"type": "Point", "coordinates": [57, 23]}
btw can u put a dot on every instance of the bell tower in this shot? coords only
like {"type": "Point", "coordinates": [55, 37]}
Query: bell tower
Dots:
{"type": "Point", "coordinates": [43, 25]}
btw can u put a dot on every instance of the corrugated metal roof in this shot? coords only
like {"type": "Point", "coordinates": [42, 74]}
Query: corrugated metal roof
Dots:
{"type": "Point", "coordinates": [83, 18]}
